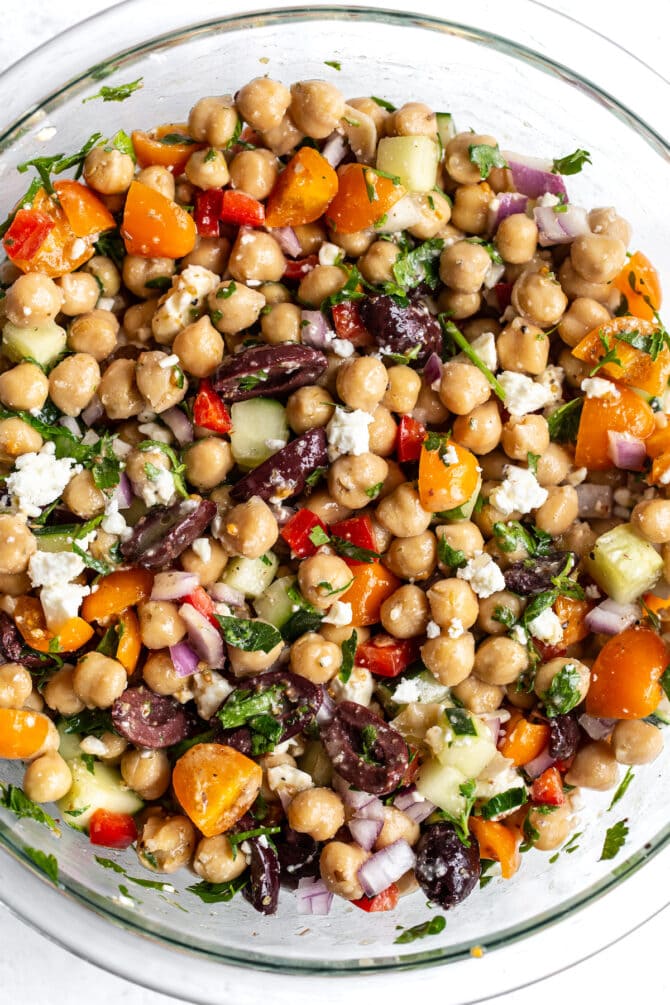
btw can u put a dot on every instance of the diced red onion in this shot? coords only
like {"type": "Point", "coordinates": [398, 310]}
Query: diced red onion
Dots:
{"type": "Point", "coordinates": [326, 709]}
{"type": "Point", "coordinates": [315, 331]}
{"type": "Point", "coordinates": [184, 659]}
{"type": "Point", "coordinates": [534, 177]}
{"type": "Point", "coordinates": [355, 799]}
{"type": "Point", "coordinates": [365, 831]}
{"type": "Point", "coordinates": [560, 228]}
{"type": "Point", "coordinates": [203, 636]}
{"type": "Point", "coordinates": [414, 804]}
{"type": "Point", "coordinates": [372, 810]}
{"type": "Point", "coordinates": [335, 149]}
{"type": "Point", "coordinates": [420, 811]}
{"type": "Point", "coordinates": [313, 896]}
{"type": "Point", "coordinates": [287, 239]}
{"type": "Point", "coordinates": [539, 764]}
{"type": "Point", "coordinates": [123, 493]}
{"type": "Point", "coordinates": [594, 501]}
{"type": "Point", "coordinates": [224, 594]}
{"type": "Point", "coordinates": [505, 204]}
{"type": "Point", "coordinates": [597, 729]}
{"type": "Point", "coordinates": [70, 424]}
{"type": "Point", "coordinates": [432, 371]}
{"type": "Point", "coordinates": [610, 618]}
{"type": "Point", "coordinates": [282, 514]}
{"type": "Point", "coordinates": [179, 425]}
{"type": "Point", "coordinates": [385, 867]}
{"type": "Point", "coordinates": [494, 728]}
{"type": "Point", "coordinates": [93, 411]}
{"type": "Point", "coordinates": [626, 451]}
{"type": "Point", "coordinates": [173, 585]}
{"type": "Point", "coordinates": [406, 213]}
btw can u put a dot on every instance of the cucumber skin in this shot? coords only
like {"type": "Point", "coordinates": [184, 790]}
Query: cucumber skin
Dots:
{"type": "Point", "coordinates": [274, 604]}
{"type": "Point", "coordinates": [251, 576]}
{"type": "Point", "coordinates": [102, 788]}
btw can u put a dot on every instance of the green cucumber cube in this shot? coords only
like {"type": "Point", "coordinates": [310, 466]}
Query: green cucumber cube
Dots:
{"type": "Point", "coordinates": [413, 159]}
{"type": "Point", "coordinates": [44, 343]}
{"type": "Point", "coordinates": [623, 564]}
{"type": "Point", "coordinates": [259, 430]}
{"type": "Point", "coordinates": [99, 789]}
{"type": "Point", "coordinates": [251, 576]}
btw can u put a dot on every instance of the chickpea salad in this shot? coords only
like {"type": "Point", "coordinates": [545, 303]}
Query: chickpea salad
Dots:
{"type": "Point", "coordinates": [335, 529]}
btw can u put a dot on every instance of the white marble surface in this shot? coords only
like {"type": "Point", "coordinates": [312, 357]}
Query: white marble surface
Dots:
{"type": "Point", "coordinates": [32, 970]}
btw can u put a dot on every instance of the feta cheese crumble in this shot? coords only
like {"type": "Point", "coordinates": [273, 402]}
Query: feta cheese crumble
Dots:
{"type": "Point", "coordinates": [169, 361]}
{"type": "Point", "coordinates": [348, 433]}
{"type": "Point", "coordinates": [432, 630]}
{"type": "Point", "coordinates": [483, 575]}
{"type": "Point", "coordinates": [114, 522]}
{"type": "Point", "coordinates": [358, 688]}
{"type": "Point", "coordinates": [522, 394]}
{"type": "Point", "coordinates": [596, 387]}
{"type": "Point", "coordinates": [547, 627]}
{"type": "Point", "coordinates": [520, 492]}
{"type": "Point", "coordinates": [62, 602]}
{"type": "Point", "coordinates": [184, 302]}
{"type": "Point", "coordinates": [38, 479]}
{"type": "Point", "coordinates": [406, 691]}
{"type": "Point", "coordinates": [449, 455]}
{"type": "Point", "coordinates": [202, 548]}
{"type": "Point", "coordinates": [339, 614]}
{"type": "Point", "coordinates": [520, 635]}
{"type": "Point", "coordinates": [551, 380]}
{"type": "Point", "coordinates": [329, 254]}
{"type": "Point", "coordinates": [159, 489]}
{"type": "Point", "coordinates": [342, 347]}
{"type": "Point", "coordinates": [455, 628]}
{"type": "Point", "coordinates": [51, 568]}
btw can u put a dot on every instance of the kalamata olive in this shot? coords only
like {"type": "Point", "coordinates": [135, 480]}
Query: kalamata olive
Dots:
{"type": "Point", "coordinates": [265, 370]}
{"type": "Point", "coordinates": [165, 531]}
{"type": "Point", "coordinates": [14, 649]}
{"type": "Point", "coordinates": [534, 575]}
{"type": "Point", "coordinates": [285, 473]}
{"type": "Point", "coordinates": [446, 870]}
{"type": "Point", "coordinates": [564, 737]}
{"type": "Point", "coordinates": [400, 329]}
{"type": "Point", "coordinates": [298, 854]}
{"type": "Point", "coordinates": [365, 750]}
{"type": "Point", "coordinates": [278, 696]}
{"type": "Point", "coordinates": [262, 890]}
{"type": "Point", "coordinates": [150, 720]}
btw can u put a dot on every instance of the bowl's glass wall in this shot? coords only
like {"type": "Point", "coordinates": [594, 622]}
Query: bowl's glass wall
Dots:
{"type": "Point", "coordinates": [530, 106]}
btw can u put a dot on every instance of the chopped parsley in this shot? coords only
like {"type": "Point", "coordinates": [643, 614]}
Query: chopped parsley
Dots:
{"type": "Point", "coordinates": [454, 558]}
{"type": "Point", "coordinates": [571, 163]}
{"type": "Point", "coordinates": [515, 536]}
{"type": "Point", "coordinates": [349, 550]}
{"type": "Point", "coordinates": [452, 333]}
{"type": "Point", "coordinates": [610, 355]}
{"type": "Point", "coordinates": [17, 802]}
{"type": "Point", "coordinates": [486, 157]}
{"type": "Point", "coordinates": [226, 291]}
{"type": "Point", "coordinates": [373, 491]}
{"type": "Point", "coordinates": [217, 893]}
{"type": "Point", "coordinates": [404, 358]}
{"type": "Point", "coordinates": [315, 477]}
{"type": "Point", "coordinates": [415, 266]}
{"type": "Point", "coordinates": [461, 722]}
{"type": "Point", "coordinates": [240, 836]}
{"type": "Point", "coordinates": [178, 467]}
{"type": "Point", "coordinates": [564, 693]}
{"type": "Point", "coordinates": [252, 380]}
{"type": "Point", "coordinates": [175, 139]}
{"type": "Point", "coordinates": [123, 142]}
{"type": "Point", "coordinates": [247, 635]}
{"type": "Point", "coordinates": [336, 65]}
{"type": "Point", "coordinates": [47, 863]}
{"type": "Point", "coordinates": [505, 616]}
{"type": "Point", "coordinates": [488, 247]}
{"type": "Point", "coordinates": [91, 722]}
{"type": "Point", "coordinates": [348, 655]}
{"type": "Point", "coordinates": [564, 421]}
{"type": "Point", "coordinates": [652, 344]}
{"type": "Point", "coordinates": [318, 536]}
{"type": "Point", "coordinates": [503, 802]}
{"type": "Point", "coordinates": [622, 789]}
{"type": "Point", "coordinates": [532, 460]}
{"type": "Point", "coordinates": [257, 711]}
{"type": "Point", "coordinates": [467, 790]}
{"type": "Point", "coordinates": [350, 291]}
{"type": "Point", "coordinates": [434, 926]}
{"type": "Point", "coordinates": [120, 93]}
{"type": "Point", "coordinates": [383, 103]}
{"type": "Point", "coordinates": [615, 839]}
{"type": "Point", "coordinates": [159, 283]}
{"type": "Point", "coordinates": [665, 682]}
{"type": "Point", "coordinates": [57, 163]}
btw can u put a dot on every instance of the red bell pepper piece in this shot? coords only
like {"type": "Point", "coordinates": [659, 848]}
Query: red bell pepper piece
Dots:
{"type": "Point", "coordinates": [503, 292]}
{"type": "Point", "coordinates": [358, 531]}
{"type": "Point", "coordinates": [348, 324]}
{"type": "Point", "coordinates": [113, 830]}
{"type": "Point", "coordinates": [299, 530]}
{"type": "Point", "coordinates": [209, 411]}
{"type": "Point", "coordinates": [548, 652]}
{"type": "Point", "coordinates": [548, 788]}
{"type": "Point", "coordinates": [384, 901]}
{"type": "Point", "coordinates": [241, 209]}
{"type": "Point", "coordinates": [297, 268]}
{"type": "Point", "coordinates": [411, 434]}
{"type": "Point", "coordinates": [27, 233]}
{"type": "Point", "coordinates": [207, 212]}
{"type": "Point", "coordinates": [385, 656]}
{"type": "Point", "coordinates": [203, 604]}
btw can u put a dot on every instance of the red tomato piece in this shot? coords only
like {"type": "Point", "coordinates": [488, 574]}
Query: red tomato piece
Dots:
{"type": "Point", "coordinates": [207, 212]}
{"type": "Point", "coordinates": [548, 652]}
{"type": "Point", "coordinates": [348, 324]}
{"type": "Point", "coordinates": [113, 830]}
{"type": "Point", "coordinates": [385, 656]}
{"type": "Point", "coordinates": [358, 531]}
{"type": "Point", "coordinates": [384, 901]}
{"type": "Point", "coordinates": [209, 411]}
{"type": "Point", "coordinates": [411, 434]}
{"type": "Point", "coordinates": [297, 268]}
{"type": "Point", "coordinates": [27, 233]}
{"type": "Point", "coordinates": [298, 532]}
{"type": "Point", "coordinates": [203, 604]}
{"type": "Point", "coordinates": [241, 209]}
{"type": "Point", "coordinates": [548, 788]}
{"type": "Point", "coordinates": [503, 292]}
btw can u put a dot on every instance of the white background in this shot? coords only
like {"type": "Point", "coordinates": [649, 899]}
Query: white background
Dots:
{"type": "Point", "coordinates": [32, 970]}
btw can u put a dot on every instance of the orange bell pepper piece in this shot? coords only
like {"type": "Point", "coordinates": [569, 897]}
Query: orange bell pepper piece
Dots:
{"type": "Point", "coordinates": [85, 212]}
{"type": "Point", "coordinates": [626, 413]}
{"type": "Point", "coordinates": [445, 486]}
{"type": "Point", "coordinates": [496, 841]}
{"type": "Point", "coordinates": [22, 732]}
{"type": "Point", "coordinates": [116, 593]}
{"type": "Point", "coordinates": [363, 197]}
{"type": "Point", "coordinates": [523, 740]}
{"type": "Point", "coordinates": [572, 614]}
{"type": "Point", "coordinates": [151, 147]}
{"type": "Point", "coordinates": [154, 226]}
{"type": "Point", "coordinates": [659, 442]}
{"type": "Point", "coordinates": [130, 642]}
{"type": "Point", "coordinates": [637, 368]}
{"type": "Point", "coordinates": [659, 470]}
{"type": "Point", "coordinates": [62, 251]}
{"type": "Point", "coordinates": [640, 285]}
{"type": "Point", "coordinates": [625, 676]}
{"type": "Point", "coordinates": [30, 621]}
{"type": "Point", "coordinates": [657, 605]}
{"type": "Point", "coordinates": [302, 191]}
{"type": "Point", "coordinates": [372, 585]}
{"type": "Point", "coordinates": [215, 786]}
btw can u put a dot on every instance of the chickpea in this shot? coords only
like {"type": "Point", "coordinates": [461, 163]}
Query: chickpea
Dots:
{"type": "Point", "coordinates": [162, 386]}
{"type": "Point", "coordinates": [552, 828]}
{"type": "Point", "coordinates": [159, 179]}
{"type": "Point", "coordinates": [470, 211]}
{"type": "Point", "coordinates": [321, 282]}
{"type": "Point", "coordinates": [477, 696]}
{"type": "Point", "coordinates": [160, 624]}
{"type": "Point", "coordinates": [59, 692]}
{"type": "Point", "coordinates": [13, 585]}
{"type": "Point", "coordinates": [594, 767]}
{"type": "Point", "coordinates": [98, 680]}
{"type": "Point", "coordinates": [519, 698]}
{"type": "Point", "coordinates": [452, 599]}
{"type": "Point", "coordinates": [284, 138]}
{"type": "Point", "coordinates": [15, 685]}
{"type": "Point", "coordinates": [413, 557]}
{"type": "Point", "coordinates": [459, 305]}
{"type": "Point", "coordinates": [325, 507]}
{"type": "Point", "coordinates": [553, 465]}
{"type": "Point", "coordinates": [118, 390]}
{"type": "Point", "coordinates": [339, 865]}
{"type": "Point", "coordinates": [463, 536]}
{"type": "Point", "coordinates": [405, 613]}
{"type": "Point", "coordinates": [582, 316]}
{"type": "Point", "coordinates": [32, 299]}
{"type": "Point", "coordinates": [207, 569]}
{"type": "Point", "coordinates": [23, 387]}
{"type": "Point", "coordinates": [308, 408]}
{"type": "Point", "coordinates": [318, 812]}
{"type": "Point", "coordinates": [73, 383]}
{"type": "Point", "coordinates": [463, 387]}
{"type": "Point", "coordinates": [575, 286]}
{"type": "Point", "coordinates": [635, 741]}
{"type": "Point", "coordinates": [17, 544]}
{"type": "Point", "coordinates": [580, 677]}
{"type": "Point", "coordinates": [310, 237]}
{"type": "Point", "coordinates": [397, 826]}
{"type": "Point", "coordinates": [255, 256]}
{"type": "Point", "coordinates": [402, 514]}
{"type": "Point", "coordinates": [435, 215]}
{"type": "Point", "coordinates": [429, 408]}
{"type": "Point", "coordinates": [199, 347]}
{"type": "Point", "coordinates": [321, 578]}
{"type": "Point", "coordinates": [403, 389]}
{"type": "Point", "coordinates": [316, 107]}
{"type": "Point", "coordinates": [350, 478]}
{"type": "Point", "coordinates": [282, 323]}
{"type": "Point", "coordinates": [488, 606]}
{"type": "Point", "coordinates": [575, 369]}
{"type": "Point", "coordinates": [138, 271]}
{"type": "Point", "coordinates": [449, 660]}
{"type": "Point", "coordinates": [17, 437]}
{"type": "Point", "coordinates": [376, 265]}
{"type": "Point", "coordinates": [523, 347]}
{"type": "Point", "coordinates": [516, 239]}
{"type": "Point", "coordinates": [80, 293]}
{"type": "Point", "coordinates": [523, 435]}
{"type": "Point", "coordinates": [214, 862]}
{"type": "Point", "coordinates": [254, 172]}
{"type": "Point", "coordinates": [651, 518]}
{"type": "Point", "coordinates": [559, 511]}
{"type": "Point", "coordinates": [539, 298]}
{"type": "Point", "coordinates": [480, 429]}
{"type": "Point", "coordinates": [500, 660]}
{"type": "Point", "coordinates": [263, 103]}
{"type": "Point", "coordinates": [242, 663]}
{"type": "Point", "coordinates": [275, 293]}
{"type": "Point", "coordinates": [159, 673]}
{"type": "Point", "coordinates": [463, 266]}
{"type": "Point", "coordinates": [250, 528]}
{"type": "Point", "coordinates": [606, 220]}
{"type": "Point", "coordinates": [412, 119]}
{"type": "Point", "coordinates": [207, 169]}
{"type": "Point", "coordinates": [47, 778]}
{"type": "Point", "coordinates": [339, 634]}
{"type": "Point", "coordinates": [597, 258]}
{"type": "Point", "coordinates": [94, 333]}
{"type": "Point", "coordinates": [146, 772]}
{"type": "Point", "coordinates": [82, 496]}
{"type": "Point", "coordinates": [166, 842]}
{"type": "Point", "coordinates": [457, 157]}
{"type": "Point", "coordinates": [361, 382]}
{"type": "Point", "coordinates": [481, 326]}
{"type": "Point", "coordinates": [315, 658]}
{"type": "Point", "coordinates": [108, 171]}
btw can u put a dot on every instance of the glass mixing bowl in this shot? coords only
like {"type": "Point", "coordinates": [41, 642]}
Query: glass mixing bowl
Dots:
{"type": "Point", "coordinates": [515, 73]}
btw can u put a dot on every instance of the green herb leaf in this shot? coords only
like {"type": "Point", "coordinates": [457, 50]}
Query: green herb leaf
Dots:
{"type": "Point", "coordinates": [258, 712]}
{"type": "Point", "coordinates": [119, 93]}
{"type": "Point", "coordinates": [348, 655]}
{"type": "Point", "coordinates": [571, 163]}
{"type": "Point", "coordinates": [610, 356]}
{"type": "Point", "coordinates": [17, 802]}
{"type": "Point", "coordinates": [218, 893]}
{"type": "Point", "coordinates": [240, 836]}
{"type": "Point", "coordinates": [318, 536]}
{"type": "Point", "coordinates": [336, 65]}
{"type": "Point", "coordinates": [159, 283]}
{"type": "Point", "coordinates": [511, 799]}
{"type": "Point", "coordinates": [90, 722]}
{"type": "Point", "coordinates": [57, 163]}
{"type": "Point", "coordinates": [532, 460]}
{"type": "Point", "coordinates": [486, 157]}
{"type": "Point", "coordinates": [123, 142]}
{"type": "Point", "coordinates": [349, 550]}
{"type": "Point", "coordinates": [665, 682]}
{"type": "Point", "coordinates": [615, 839]}
{"type": "Point", "coordinates": [488, 247]}
{"type": "Point", "coordinates": [564, 421]}
{"type": "Point", "coordinates": [315, 477]}
{"type": "Point", "coordinates": [373, 491]}
{"type": "Point", "coordinates": [175, 139]}
{"type": "Point", "coordinates": [505, 616]}
{"type": "Point", "coordinates": [622, 789]}
{"type": "Point", "coordinates": [47, 863]}
{"type": "Point", "coordinates": [420, 265]}
{"type": "Point", "coordinates": [434, 926]}
{"type": "Point", "coordinates": [110, 244]}
{"type": "Point", "coordinates": [454, 558]}
{"type": "Point", "coordinates": [468, 791]}
{"type": "Point", "coordinates": [89, 761]}
{"type": "Point", "coordinates": [383, 103]}
{"type": "Point", "coordinates": [252, 380]}
{"type": "Point", "coordinates": [349, 291]}
{"type": "Point", "coordinates": [247, 635]}
{"type": "Point", "coordinates": [451, 332]}
{"type": "Point", "coordinates": [107, 863]}
{"type": "Point", "coordinates": [461, 722]}
{"type": "Point", "coordinates": [178, 467]}
{"type": "Point", "coordinates": [514, 536]}
{"type": "Point", "coordinates": [564, 693]}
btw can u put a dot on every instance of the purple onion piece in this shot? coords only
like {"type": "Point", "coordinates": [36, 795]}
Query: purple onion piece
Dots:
{"type": "Point", "coordinates": [533, 177]}
{"type": "Point", "coordinates": [179, 425]}
{"type": "Point", "coordinates": [203, 636]}
{"type": "Point", "coordinates": [505, 204]}
{"type": "Point", "coordinates": [93, 411]}
{"type": "Point", "coordinates": [539, 764]}
{"type": "Point", "coordinates": [594, 501]}
{"type": "Point", "coordinates": [365, 831]}
{"type": "Point", "coordinates": [313, 897]}
{"type": "Point", "coordinates": [560, 228]}
{"type": "Point", "coordinates": [610, 618]}
{"type": "Point", "coordinates": [184, 659]}
{"type": "Point", "coordinates": [224, 594]}
{"type": "Point", "coordinates": [596, 729]}
{"type": "Point", "coordinates": [626, 451]}
{"type": "Point", "coordinates": [335, 149]}
{"type": "Point", "coordinates": [432, 371]}
{"type": "Point", "coordinates": [123, 493]}
{"type": "Point", "coordinates": [385, 867]}
{"type": "Point", "coordinates": [287, 239]}
{"type": "Point", "coordinates": [173, 585]}
{"type": "Point", "coordinates": [316, 331]}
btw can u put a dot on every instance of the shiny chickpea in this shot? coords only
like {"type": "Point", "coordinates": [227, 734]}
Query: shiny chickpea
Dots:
{"type": "Point", "coordinates": [552, 828]}
{"type": "Point", "coordinates": [401, 512]}
{"type": "Point", "coordinates": [80, 293]}
{"type": "Point", "coordinates": [234, 307]}
{"type": "Point", "coordinates": [382, 432]}
{"type": "Point", "coordinates": [159, 179]}
{"type": "Point", "coordinates": [376, 265]}
{"type": "Point", "coordinates": [308, 408]}
{"type": "Point", "coordinates": [284, 138]}
{"type": "Point", "coordinates": [516, 239]}
{"type": "Point", "coordinates": [597, 258]}
{"type": "Point", "coordinates": [452, 599]}
{"type": "Point", "coordinates": [523, 347]}
{"type": "Point", "coordinates": [73, 382]}
{"type": "Point", "coordinates": [59, 692]}
{"type": "Point", "coordinates": [350, 478]}
{"type": "Point", "coordinates": [361, 382]}
{"type": "Point", "coordinates": [580, 677]}
{"type": "Point", "coordinates": [480, 429]}
{"type": "Point", "coordinates": [341, 633]}
{"type": "Point", "coordinates": [325, 507]}
{"type": "Point", "coordinates": [275, 293]}
{"type": "Point", "coordinates": [47, 778]}
{"type": "Point", "coordinates": [457, 157]}
{"type": "Point", "coordinates": [321, 282]}
{"type": "Point", "coordinates": [159, 673]}
{"type": "Point", "coordinates": [651, 518]}
{"type": "Point", "coordinates": [199, 347]}
{"type": "Point", "coordinates": [15, 685]}
{"type": "Point", "coordinates": [582, 316]}
{"type": "Point", "coordinates": [17, 544]}
{"type": "Point", "coordinates": [463, 266]}
{"type": "Point", "coordinates": [31, 300]}
{"type": "Point", "coordinates": [210, 253]}
{"type": "Point", "coordinates": [98, 680]}
{"type": "Point", "coordinates": [435, 212]}
{"type": "Point", "coordinates": [118, 390]}
{"type": "Point", "coordinates": [449, 660]}
{"type": "Point", "coordinates": [315, 658]}
{"type": "Point", "coordinates": [463, 387]}
{"type": "Point", "coordinates": [405, 613]}
{"type": "Point", "coordinates": [162, 386]}
{"type": "Point", "coordinates": [412, 119]}
{"type": "Point", "coordinates": [429, 408]}
{"type": "Point", "coordinates": [207, 169]}
{"type": "Point", "coordinates": [554, 465]}
{"type": "Point", "coordinates": [374, 111]}
{"type": "Point", "coordinates": [403, 389]}
{"type": "Point", "coordinates": [489, 606]}
{"type": "Point", "coordinates": [606, 220]}
{"type": "Point", "coordinates": [594, 767]}
{"type": "Point", "coordinates": [138, 271]}
{"type": "Point", "coordinates": [500, 660]}
{"type": "Point", "coordinates": [214, 860]}
{"type": "Point", "coordinates": [166, 842]}
{"type": "Point", "coordinates": [322, 578]}
{"type": "Point", "coordinates": [213, 120]}
{"type": "Point", "coordinates": [494, 466]}
{"type": "Point", "coordinates": [250, 528]}
{"type": "Point", "coordinates": [109, 172]}
{"type": "Point", "coordinates": [318, 812]}
{"type": "Point", "coordinates": [310, 237]}
{"type": "Point", "coordinates": [24, 387]}
{"type": "Point", "coordinates": [281, 323]}
{"type": "Point", "coordinates": [316, 107]}
{"type": "Point", "coordinates": [539, 297]}
{"type": "Point", "coordinates": [13, 585]}
{"type": "Point", "coordinates": [160, 624]}
{"type": "Point", "coordinates": [575, 286]}
{"type": "Point", "coordinates": [463, 536]}
{"type": "Point", "coordinates": [471, 211]}
{"type": "Point", "coordinates": [17, 437]}
{"type": "Point", "coordinates": [523, 435]}
{"type": "Point", "coordinates": [397, 826]}
{"type": "Point", "coordinates": [354, 244]}
{"type": "Point", "coordinates": [263, 103]}
{"type": "Point", "coordinates": [413, 557]}
{"type": "Point", "coordinates": [255, 256]}
{"type": "Point", "coordinates": [82, 496]}
{"type": "Point", "coordinates": [477, 696]}
{"type": "Point", "coordinates": [459, 305]}
{"type": "Point", "coordinates": [94, 333]}
{"type": "Point", "coordinates": [635, 741]}
{"type": "Point", "coordinates": [254, 172]}
{"type": "Point", "coordinates": [560, 510]}
{"type": "Point", "coordinates": [207, 568]}
{"type": "Point", "coordinates": [394, 476]}
{"type": "Point", "coordinates": [106, 275]}
{"type": "Point", "coordinates": [244, 663]}
{"type": "Point", "coordinates": [146, 772]}
{"type": "Point", "coordinates": [339, 865]}
{"type": "Point", "coordinates": [575, 369]}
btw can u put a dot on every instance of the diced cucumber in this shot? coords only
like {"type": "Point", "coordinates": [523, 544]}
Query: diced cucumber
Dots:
{"type": "Point", "coordinates": [275, 605]}
{"type": "Point", "coordinates": [413, 159]}
{"type": "Point", "coordinates": [251, 576]}
{"type": "Point", "coordinates": [441, 784]}
{"type": "Point", "coordinates": [43, 343]}
{"type": "Point", "coordinates": [54, 542]}
{"type": "Point", "coordinates": [315, 762]}
{"type": "Point", "coordinates": [69, 747]}
{"type": "Point", "coordinates": [102, 788]}
{"type": "Point", "coordinates": [465, 510]}
{"type": "Point", "coordinates": [446, 129]}
{"type": "Point", "coordinates": [257, 423]}
{"type": "Point", "coordinates": [468, 754]}
{"type": "Point", "coordinates": [623, 564]}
